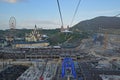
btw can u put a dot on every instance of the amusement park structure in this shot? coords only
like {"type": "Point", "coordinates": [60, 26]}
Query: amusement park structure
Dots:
{"type": "Point", "coordinates": [12, 23]}
{"type": "Point", "coordinates": [12, 27]}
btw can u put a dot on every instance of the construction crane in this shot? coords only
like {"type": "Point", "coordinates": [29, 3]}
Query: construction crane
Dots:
{"type": "Point", "coordinates": [106, 36]}
{"type": "Point", "coordinates": [105, 40]}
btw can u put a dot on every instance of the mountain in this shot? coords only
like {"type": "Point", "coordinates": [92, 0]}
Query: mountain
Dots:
{"type": "Point", "coordinates": [99, 22]}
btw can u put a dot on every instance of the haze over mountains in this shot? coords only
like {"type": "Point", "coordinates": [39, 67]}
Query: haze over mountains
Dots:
{"type": "Point", "coordinates": [56, 37]}
{"type": "Point", "coordinates": [99, 22]}
{"type": "Point", "coordinates": [92, 24]}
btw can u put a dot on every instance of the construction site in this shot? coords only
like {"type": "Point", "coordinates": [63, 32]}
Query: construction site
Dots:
{"type": "Point", "coordinates": [92, 60]}
{"type": "Point", "coordinates": [65, 53]}
{"type": "Point", "coordinates": [95, 58]}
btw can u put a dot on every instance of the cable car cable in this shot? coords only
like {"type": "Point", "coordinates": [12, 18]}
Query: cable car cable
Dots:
{"type": "Point", "coordinates": [60, 12]}
{"type": "Point", "coordinates": [75, 12]}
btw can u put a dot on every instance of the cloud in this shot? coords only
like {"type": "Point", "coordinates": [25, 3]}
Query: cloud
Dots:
{"type": "Point", "coordinates": [107, 11]}
{"type": "Point", "coordinates": [4, 26]}
{"type": "Point", "coordinates": [95, 13]}
{"type": "Point", "coordinates": [12, 1]}
{"type": "Point", "coordinates": [101, 12]}
{"type": "Point", "coordinates": [45, 22]}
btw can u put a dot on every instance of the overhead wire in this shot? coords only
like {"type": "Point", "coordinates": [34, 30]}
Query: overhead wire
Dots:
{"type": "Point", "coordinates": [77, 7]}
{"type": "Point", "coordinates": [60, 12]}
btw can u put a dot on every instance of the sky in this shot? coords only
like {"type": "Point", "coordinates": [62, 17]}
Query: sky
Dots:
{"type": "Point", "coordinates": [45, 14]}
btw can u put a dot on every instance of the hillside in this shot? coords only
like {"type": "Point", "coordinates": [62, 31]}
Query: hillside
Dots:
{"type": "Point", "coordinates": [99, 22]}
{"type": "Point", "coordinates": [68, 39]}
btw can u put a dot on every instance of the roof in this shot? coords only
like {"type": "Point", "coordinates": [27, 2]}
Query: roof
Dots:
{"type": "Point", "coordinates": [23, 42]}
{"type": "Point", "coordinates": [66, 31]}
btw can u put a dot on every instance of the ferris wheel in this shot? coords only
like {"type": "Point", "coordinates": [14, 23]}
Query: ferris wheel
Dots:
{"type": "Point", "coordinates": [12, 23]}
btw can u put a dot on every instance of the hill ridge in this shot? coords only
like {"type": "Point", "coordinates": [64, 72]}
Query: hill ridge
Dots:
{"type": "Point", "coordinates": [105, 22]}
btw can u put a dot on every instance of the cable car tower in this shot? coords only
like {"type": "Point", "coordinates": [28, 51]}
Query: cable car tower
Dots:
{"type": "Point", "coordinates": [68, 68]}
{"type": "Point", "coordinates": [61, 18]}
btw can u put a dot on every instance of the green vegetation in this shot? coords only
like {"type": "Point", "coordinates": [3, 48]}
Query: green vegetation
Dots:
{"type": "Point", "coordinates": [55, 36]}
{"type": "Point", "coordinates": [67, 38]}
